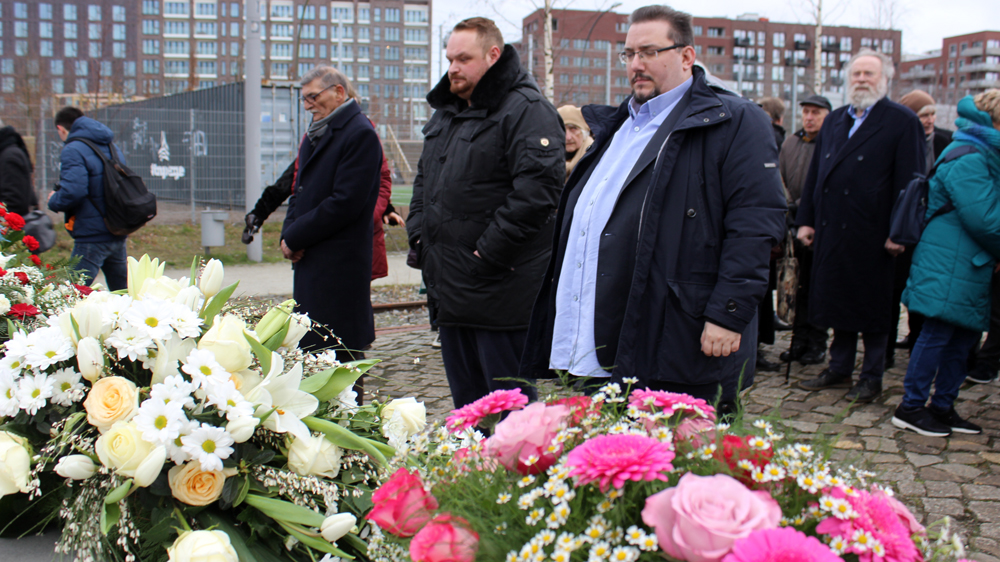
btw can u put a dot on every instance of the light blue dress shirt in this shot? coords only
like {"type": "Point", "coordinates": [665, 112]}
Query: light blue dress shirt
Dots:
{"type": "Point", "coordinates": [573, 347]}
{"type": "Point", "coordinates": [857, 120]}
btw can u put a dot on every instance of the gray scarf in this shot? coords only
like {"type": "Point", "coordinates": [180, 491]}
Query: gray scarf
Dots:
{"type": "Point", "coordinates": [318, 128]}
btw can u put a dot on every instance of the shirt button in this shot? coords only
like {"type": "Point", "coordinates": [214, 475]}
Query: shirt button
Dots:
{"type": "Point", "coordinates": [691, 213]}
{"type": "Point", "coordinates": [575, 298]}
{"type": "Point", "coordinates": [579, 264]}
{"type": "Point", "coordinates": [637, 128]}
{"type": "Point", "coordinates": [583, 233]}
{"type": "Point", "coordinates": [591, 202]}
{"type": "Point", "coordinates": [860, 158]}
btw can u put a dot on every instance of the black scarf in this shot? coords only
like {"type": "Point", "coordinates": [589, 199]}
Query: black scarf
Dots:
{"type": "Point", "coordinates": [8, 138]}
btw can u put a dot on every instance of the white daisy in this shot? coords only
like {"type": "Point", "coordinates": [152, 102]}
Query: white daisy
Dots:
{"type": "Point", "coordinates": [9, 403]}
{"type": "Point", "coordinates": [173, 389]}
{"type": "Point", "coordinates": [160, 422]}
{"type": "Point", "coordinates": [12, 363]}
{"type": "Point", "coordinates": [48, 346]}
{"type": "Point", "coordinates": [201, 365]}
{"type": "Point", "coordinates": [229, 400]}
{"type": "Point", "coordinates": [33, 392]}
{"type": "Point", "coordinates": [18, 344]}
{"type": "Point", "coordinates": [67, 387]}
{"type": "Point", "coordinates": [151, 316]}
{"type": "Point", "coordinates": [186, 322]}
{"type": "Point", "coordinates": [210, 445]}
{"type": "Point", "coordinates": [130, 342]}
{"type": "Point", "coordinates": [624, 554]}
{"type": "Point", "coordinates": [175, 449]}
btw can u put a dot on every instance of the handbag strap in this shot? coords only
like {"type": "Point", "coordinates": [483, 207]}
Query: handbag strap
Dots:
{"type": "Point", "coordinates": [789, 245]}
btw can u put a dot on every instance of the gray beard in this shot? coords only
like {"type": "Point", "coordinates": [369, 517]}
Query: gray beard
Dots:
{"type": "Point", "coordinates": [640, 99]}
{"type": "Point", "coordinates": [862, 99]}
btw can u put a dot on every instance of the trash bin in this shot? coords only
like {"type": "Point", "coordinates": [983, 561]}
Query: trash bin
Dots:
{"type": "Point", "coordinates": [213, 229]}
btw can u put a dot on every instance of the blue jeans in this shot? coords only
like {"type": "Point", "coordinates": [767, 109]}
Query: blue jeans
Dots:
{"type": "Point", "coordinates": [107, 256]}
{"type": "Point", "coordinates": [940, 356]}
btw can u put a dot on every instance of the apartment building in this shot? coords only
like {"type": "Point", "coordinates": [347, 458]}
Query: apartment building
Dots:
{"type": "Point", "coordinates": [965, 64]}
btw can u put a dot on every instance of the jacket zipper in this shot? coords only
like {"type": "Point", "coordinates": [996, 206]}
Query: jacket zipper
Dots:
{"type": "Point", "coordinates": [642, 210]}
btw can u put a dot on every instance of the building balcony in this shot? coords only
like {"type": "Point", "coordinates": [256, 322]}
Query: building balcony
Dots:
{"type": "Point", "coordinates": [971, 52]}
{"type": "Point", "coordinates": [280, 38]}
{"type": "Point", "coordinates": [176, 74]}
{"type": "Point", "coordinates": [802, 45]}
{"type": "Point", "coordinates": [831, 48]}
{"type": "Point", "coordinates": [202, 56]}
{"type": "Point", "coordinates": [281, 57]}
{"type": "Point", "coordinates": [747, 58]}
{"type": "Point", "coordinates": [206, 75]}
{"type": "Point", "coordinates": [176, 55]}
{"type": "Point", "coordinates": [993, 50]}
{"type": "Point", "coordinates": [176, 16]}
{"type": "Point", "coordinates": [176, 35]}
{"type": "Point", "coordinates": [915, 74]}
{"type": "Point", "coordinates": [981, 84]}
{"type": "Point", "coordinates": [789, 61]}
{"type": "Point", "coordinates": [741, 42]}
{"type": "Point", "coordinates": [981, 67]}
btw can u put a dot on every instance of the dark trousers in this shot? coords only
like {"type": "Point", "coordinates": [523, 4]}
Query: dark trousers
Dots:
{"type": "Point", "coordinates": [987, 358]}
{"type": "Point", "coordinates": [805, 336]}
{"type": "Point", "coordinates": [475, 360]}
{"type": "Point", "coordinates": [109, 257]}
{"type": "Point", "coordinates": [765, 312]}
{"type": "Point", "coordinates": [939, 357]}
{"type": "Point", "coordinates": [844, 349]}
{"type": "Point", "coordinates": [914, 321]}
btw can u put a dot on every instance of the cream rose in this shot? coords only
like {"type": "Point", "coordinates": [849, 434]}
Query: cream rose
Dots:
{"type": "Point", "coordinates": [412, 415]}
{"type": "Point", "coordinates": [194, 486]}
{"type": "Point", "coordinates": [202, 546]}
{"type": "Point", "coordinates": [111, 400]}
{"type": "Point", "coordinates": [314, 456]}
{"type": "Point", "coordinates": [15, 464]}
{"type": "Point", "coordinates": [123, 449]}
{"type": "Point", "coordinates": [227, 341]}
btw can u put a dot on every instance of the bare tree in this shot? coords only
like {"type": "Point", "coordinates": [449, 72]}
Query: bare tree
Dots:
{"type": "Point", "coordinates": [887, 14]}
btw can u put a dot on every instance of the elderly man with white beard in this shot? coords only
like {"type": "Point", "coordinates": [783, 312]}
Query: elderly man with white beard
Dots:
{"type": "Point", "coordinates": [865, 154]}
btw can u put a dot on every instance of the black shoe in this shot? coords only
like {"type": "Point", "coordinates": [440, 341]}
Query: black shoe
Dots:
{"type": "Point", "coordinates": [867, 390]}
{"type": "Point", "coordinates": [905, 343]}
{"type": "Point", "coordinates": [793, 352]}
{"type": "Point", "coordinates": [921, 421]}
{"type": "Point", "coordinates": [813, 357]}
{"type": "Point", "coordinates": [954, 421]}
{"type": "Point", "coordinates": [890, 359]}
{"type": "Point", "coordinates": [780, 324]}
{"type": "Point", "coordinates": [826, 379]}
{"type": "Point", "coordinates": [981, 375]}
{"type": "Point", "coordinates": [765, 366]}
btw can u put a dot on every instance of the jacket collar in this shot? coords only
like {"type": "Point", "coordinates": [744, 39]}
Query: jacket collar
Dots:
{"type": "Point", "coordinates": [489, 93]}
{"type": "Point", "coordinates": [340, 117]}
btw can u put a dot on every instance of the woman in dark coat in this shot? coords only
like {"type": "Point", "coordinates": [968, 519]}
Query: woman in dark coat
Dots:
{"type": "Point", "coordinates": [15, 173]}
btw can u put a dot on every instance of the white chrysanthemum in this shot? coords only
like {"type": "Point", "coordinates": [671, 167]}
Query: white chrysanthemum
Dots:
{"type": "Point", "coordinates": [46, 347]}
{"type": "Point", "coordinates": [33, 392]}
{"type": "Point", "coordinates": [9, 403]}
{"type": "Point", "coordinates": [185, 321]}
{"type": "Point", "coordinates": [17, 344]}
{"type": "Point", "coordinates": [131, 342]}
{"type": "Point", "coordinates": [160, 422]}
{"type": "Point", "coordinates": [173, 389]}
{"type": "Point", "coordinates": [67, 387]}
{"type": "Point", "coordinates": [12, 364]}
{"type": "Point", "coordinates": [114, 306]}
{"type": "Point", "coordinates": [201, 365]}
{"type": "Point", "coordinates": [175, 449]}
{"type": "Point", "coordinates": [209, 445]}
{"type": "Point", "coordinates": [151, 316]}
{"type": "Point", "coordinates": [229, 400]}
{"type": "Point", "coordinates": [624, 554]}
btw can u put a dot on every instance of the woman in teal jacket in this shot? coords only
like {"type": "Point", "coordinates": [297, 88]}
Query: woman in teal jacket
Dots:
{"type": "Point", "coordinates": [952, 268]}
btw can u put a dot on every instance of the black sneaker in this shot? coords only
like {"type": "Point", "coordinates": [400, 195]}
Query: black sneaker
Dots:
{"type": "Point", "coordinates": [920, 420]}
{"type": "Point", "coordinates": [981, 376]}
{"type": "Point", "coordinates": [954, 421]}
{"type": "Point", "coordinates": [826, 379]}
{"type": "Point", "coordinates": [867, 390]}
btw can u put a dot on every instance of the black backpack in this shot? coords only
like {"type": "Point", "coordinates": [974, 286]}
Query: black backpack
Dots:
{"type": "Point", "coordinates": [128, 203]}
{"type": "Point", "coordinates": [909, 213]}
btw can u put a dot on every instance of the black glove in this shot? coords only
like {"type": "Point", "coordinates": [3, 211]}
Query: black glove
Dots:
{"type": "Point", "coordinates": [252, 227]}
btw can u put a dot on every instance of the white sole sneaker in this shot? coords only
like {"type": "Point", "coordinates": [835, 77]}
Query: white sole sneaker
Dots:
{"type": "Point", "coordinates": [907, 425]}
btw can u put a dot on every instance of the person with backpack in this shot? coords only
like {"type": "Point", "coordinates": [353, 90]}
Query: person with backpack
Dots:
{"type": "Point", "coordinates": [80, 195]}
{"type": "Point", "coordinates": [952, 269]}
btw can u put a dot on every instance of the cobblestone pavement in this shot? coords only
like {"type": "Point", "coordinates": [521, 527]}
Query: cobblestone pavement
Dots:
{"type": "Point", "coordinates": [958, 477]}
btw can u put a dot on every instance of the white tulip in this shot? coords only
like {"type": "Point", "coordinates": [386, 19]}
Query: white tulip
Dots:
{"type": "Point", "coordinates": [412, 415]}
{"type": "Point", "coordinates": [89, 320]}
{"type": "Point", "coordinates": [190, 297]}
{"type": "Point", "coordinates": [298, 327]}
{"type": "Point", "coordinates": [211, 278]}
{"type": "Point", "coordinates": [227, 341]}
{"type": "Point", "coordinates": [15, 464]}
{"type": "Point", "coordinates": [90, 358]}
{"type": "Point", "coordinates": [314, 456]}
{"type": "Point", "coordinates": [150, 467]}
{"type": "Point", "coordinates": [336, 526]}
{"type": "Point", "coordinates": [76, 467]}
{"type": "Point", "coordinates": [242, 428]}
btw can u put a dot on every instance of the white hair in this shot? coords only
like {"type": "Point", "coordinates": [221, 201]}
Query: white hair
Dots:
{"type": "Point", "coordinates": [888, 68]}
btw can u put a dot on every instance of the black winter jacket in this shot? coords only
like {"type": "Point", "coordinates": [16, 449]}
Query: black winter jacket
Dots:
{"type": "Point", "coordinates": [689, 241]}
{"type": "Point", "coordinates": [15, 173]}
{"type": "Point", "coordinates": [488, 180]}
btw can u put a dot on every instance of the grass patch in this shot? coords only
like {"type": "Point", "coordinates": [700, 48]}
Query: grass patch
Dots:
{"type": "Point", "coordinates": [401, 195]}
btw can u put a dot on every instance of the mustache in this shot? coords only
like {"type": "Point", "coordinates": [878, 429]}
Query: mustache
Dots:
{"type": "Point", "coordinates": [638, 77]}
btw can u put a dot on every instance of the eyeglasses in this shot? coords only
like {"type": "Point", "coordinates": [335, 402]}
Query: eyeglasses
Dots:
{"type": "Point", "coordinates": [311, 98]}
{"type": "Point", "coordinates": [646, 54]}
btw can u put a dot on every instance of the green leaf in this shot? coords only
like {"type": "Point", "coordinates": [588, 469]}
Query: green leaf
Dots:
{"type": "Point", "coordinates": [280, 510]}
{"type": "Point", "coordinates": [244, 489]}
{"type": "Point", "coordinates": [119, 493]}
{"type": "Point", "coordinates": [76, 327]}
{"type": "Point", "coordinates": [313, 542]}
{"type": "Point", "coordinates": [216, 304]}
{"type": "Point", "coordinates": [194, 270]}
{"type": "Point", "coordinates": [275, 341]}
{"type": "Point", "coordinates": [328, 384]}
{"type": "Point", "coordinates": [344, 438]}
{"type": "Point", "coordinates": [109, 517]}
{"type": "Point", "coordinates": [358, 544]}
{"type": "Point", "coordinates": [263, 354]}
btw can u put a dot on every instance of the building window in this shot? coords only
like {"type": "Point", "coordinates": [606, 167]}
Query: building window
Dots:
{"type": "Point", "coordinates": [45, 48]}
{"type": "Point", "coordinates": [118, 50]}
{"type": "Point", "coordinates": [307, 51]}
{"type": "Point", "coordinates": [150, 66]}
{"type": "Point", "coordinates": [81, 68]}
{"type": "Point", "coordinates": [151, 7]}
{"type": "Point", "coordinates": [415, 16]}
{"type": "Point", "coordinates": [716, 51]}
{"type": "Point", "coordinates": [415, 35]}
{"type": "Point", "coordinates": [716, 32]}
{"type": "Point", "coordinates": [94, 13]}
{"type": "Point", "coordinates": [206, 68]}
{"type": "Point", "coordinates": [45, 30]}
{"type": "Point", "coordinates": [118, 32]}
{"type": "Point", "coordinates": [20, 10]}
{"type": "Point", "coordinates": [281, 50]}
{"type": "Point", "coordinates": [206, 28]}
{"type": "Point", "coordinates": [778, 40]}
{"type": "Point", "coordinates": [118, 13]}
{"type": "Point", "coordinates": [234, 29]}
{"type": "Point", "coordinates": [20, 29]}
{"type": "Point", "coordinates": [392, 15]}
{"type": "Point", "coordinates": [69, 12]}
{"type": "Point", "coordinates": [279, 70]}
{"type": "Point", "coordinates": [105, 68]}
{"type": "Point", "coordinates": [392, 34]}
{"type": "Point", "coordinates": [281, 11]}
{"type": "Point", "coordinates": [129, 68]}
{"type": "Point", "coordinates": [177, 67]}
{"type": "Point", "coordinates": [621, 27]}
{"type": "Point", "coordinates": [69, 49]}
{"type": "Point", "coordinates": [94, 32]}
{"type": "Point", "coordinates": [206, 48]}
{"type": "Point", "coordinates": [234, 49]}
{"type": "Point", "coordinates": [307, 31]}
{"type": "Point", "coordinates": [887, 45]}
{"type": "Point", "coordinates": [697, 30]}
{"type": "Point", "coordinates": [45, 11]}
{"type": "Point", "coordinates": [7, 66]}
{"type": "Point", "coordinates": [205, 9]}
{"type": "Point", "coordinates": [94, 50]}
{"type": "Point", "coordinates": [151, 27]}
{"type": "Point", "coordinates": [176, 28]}
{"type": "Point", "coordinates": [150, 47]}
{"type": "Point", "coordinates": [176, 8]}
{"type": "Point", "coordinates": [56, 67]}
{"type": "Point", "coordinates": [178, 48]}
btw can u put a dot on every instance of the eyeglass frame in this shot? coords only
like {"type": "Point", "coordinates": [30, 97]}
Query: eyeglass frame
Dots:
{"type": "Point", "coordinates": [625, 58]}
{"type": "Point", "coordinates": [311, 98]}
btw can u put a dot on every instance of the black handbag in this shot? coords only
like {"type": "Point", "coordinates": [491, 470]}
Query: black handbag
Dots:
{"type": "Point", "coordinates": [39, 224]}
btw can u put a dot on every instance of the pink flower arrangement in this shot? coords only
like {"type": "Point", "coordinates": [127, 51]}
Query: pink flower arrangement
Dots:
{"type": "Point", "coordinates": [402, 506]}
{"type": "Point", "coordinates": [446, 539]}
{"type": "Point", "coordinates": [699, 519]}
{"type": "Point", "coordinates": [880, 519]}
{"type": "Point", "coordinates": [580, 407]}
{"type": "Point", "coordinates": [669, 403]}
{"type": "Point", "coordinates": [616, 459]}
{"type": "Point", "coordinates": [693, 430]}
{"type": "Point", "coordinates": [780, 545]}
{"type": "Point", "coordinates": [495, 402]}
{"type": "Point", "coordinates": [522, 441]}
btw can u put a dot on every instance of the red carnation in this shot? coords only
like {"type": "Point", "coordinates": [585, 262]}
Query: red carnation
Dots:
{"type": "Point", "coordinates": [48, 266]}
{"type": "Point", "coordinates": [3, 211]}
{"type": "Point", "coordinates": [15, 221]}
{"type": "Point", "coordinates": [3, 272]}
{"type": "Point", "coordinates": [23, 311]}
{"type": "Point", "coordinates": [22, 277]}
{"type": "Point", "coordinates": [36, 260]}
{"type": "Point", "coordinates": [84, 290]}
{"type": "Point", "coordinates": [29, 240]}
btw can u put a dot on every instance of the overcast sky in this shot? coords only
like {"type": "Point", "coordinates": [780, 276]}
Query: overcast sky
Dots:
{"type": "Point", "coordinates": [923, 22]}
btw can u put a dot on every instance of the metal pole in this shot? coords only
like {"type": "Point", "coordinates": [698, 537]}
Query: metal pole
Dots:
{"type": "Point", "coordinates": [191, 175]}
{"type": "Point", "coordinates": [251, 119]}
{"type": "Point", "coordinates": [42, 152]}
{"type": "Point", "coordinates": [531, 54]}
{"type": "Point", "coordinates": [795, 93]}
{"type": "Point", "coordinates": [607, 78]}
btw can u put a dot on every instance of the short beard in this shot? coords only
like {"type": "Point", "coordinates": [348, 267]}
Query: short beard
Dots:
{"type": "Point", "coordinates": [863, 99]}
{"type": "Point", "coordinates": [640, 98]}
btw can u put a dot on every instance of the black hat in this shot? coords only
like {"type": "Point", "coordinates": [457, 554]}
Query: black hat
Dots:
{"type": "Point", "coordinates": [818, 101]}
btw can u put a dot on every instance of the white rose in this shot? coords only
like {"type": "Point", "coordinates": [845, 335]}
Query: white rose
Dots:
{"type": "Point", "coordinates": [90, 358]}
{"type": "Point", "coordinates": [298, 327]}
{"type": "Point", "coordinates": [411, 413]}
{"type": "Point", "coordinates": [314, 456]}
{"type": "Point", "coordinates": [336, 526]}
{"type": "Point", "coordinates": [211, 278]}
{"type": "Point", "coordinates": [4, 305]}
{"type": "Point", "coordinates": [123, 449]}
{"type": "Point", "coordinates": [202, 546]}
{"type": "Point", "coordinates": [15, 464]}
{"type": "Point", "coordinates": [242, 428]}
{"type": "Point", "coordinates": [227, 341]}
{"type": "Point", "coordinates": [76, 467]}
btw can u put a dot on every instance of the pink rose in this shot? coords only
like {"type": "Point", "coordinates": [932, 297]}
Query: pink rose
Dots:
{"type": "Point", "coordinates": [446, 539]}
{"type": "Point", "coordinates": [701, 518]}
{"type": "Point", "coordinates": [402, 506]}
{"type": "Point", "coordinates": [525, 434]}
{"type": "Point", "coordinates": [693, 430]}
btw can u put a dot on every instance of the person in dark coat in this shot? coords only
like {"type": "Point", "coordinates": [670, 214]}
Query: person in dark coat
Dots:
{"type": "Point", "coordinates": [664, 230]}
{"type": "Point", "coordinates": [16, 192]}
{"type": "Point", "coordinates": [328, 228]}
{"type": "Point", "coordinates": [865, 155]}
{"type": "Point", "coordinates": [80, 195]}
{"type": "Point", "coordinates": [487, 183]}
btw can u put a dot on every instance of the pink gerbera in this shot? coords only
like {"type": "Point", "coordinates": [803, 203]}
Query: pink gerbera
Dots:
{"type": "Point", "coordinates": [670, 403]}
{"type": "Point", "coordinates": [615, 459]}
{"type": "Point", "coordinates": [780, 545]}
{"type": "Point", "coordinates": [495, 402]}
{"type": "Point", "coordinates": [880, 518]}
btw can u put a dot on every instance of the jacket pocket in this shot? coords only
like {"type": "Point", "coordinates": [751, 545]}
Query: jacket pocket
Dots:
{"type": "Point", "coordinates": [692, 297]}
{"type": "Point", "coordinates": [679, 355]}
{"type": "Point", "coordinates": [478, 268]}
